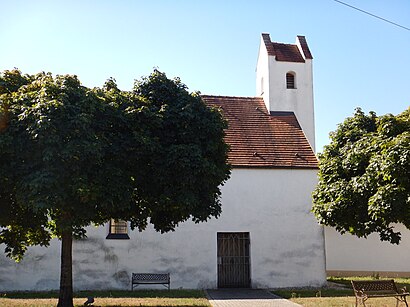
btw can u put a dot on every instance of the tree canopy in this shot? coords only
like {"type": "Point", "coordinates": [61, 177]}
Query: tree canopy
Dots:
{"type": "Point", "coordinates": [364, 176]}
{"type": "Point", "coordinates": [71, 156]}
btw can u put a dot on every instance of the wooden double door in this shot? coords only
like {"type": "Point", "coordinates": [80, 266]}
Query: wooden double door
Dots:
{"type": "Point", "coordinates": [233, 260]}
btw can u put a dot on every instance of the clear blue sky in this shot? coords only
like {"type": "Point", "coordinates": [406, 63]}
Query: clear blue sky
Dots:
{"type": "Point", "coordinates": [212, 46]}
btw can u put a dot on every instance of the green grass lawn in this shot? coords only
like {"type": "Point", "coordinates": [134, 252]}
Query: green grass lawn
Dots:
{"type": "Point", "coordinates": [330, 297]}
{"type": "Point", "coordinates": [111, 294]}
{"type": "Point", "coordinates": [318, 297]}
{"type": "Point", "coordinates": [345, 302]}
{"type": "Point", "coordinates": [180, 298]}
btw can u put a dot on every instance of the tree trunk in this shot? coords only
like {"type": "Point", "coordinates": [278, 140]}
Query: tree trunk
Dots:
{"type": "Point", "coordinates": [65, 298]}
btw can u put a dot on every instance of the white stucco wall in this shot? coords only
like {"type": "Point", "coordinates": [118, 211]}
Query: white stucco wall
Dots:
{"type": "Point", "coordinates": [39, 270]}
{"type": "Point", "coordinates": [262, 74]}
{"type": "Point", "coordinates": [347, 253]}
{"type": "Point", "coordinates": [287, 245]}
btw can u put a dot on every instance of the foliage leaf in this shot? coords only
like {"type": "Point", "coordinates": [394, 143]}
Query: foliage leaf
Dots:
{"type": "Point", "coordinates": [364, 182]}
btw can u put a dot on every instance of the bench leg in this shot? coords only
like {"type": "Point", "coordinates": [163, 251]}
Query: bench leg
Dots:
{"type": "Point", "coordinates": [360, 300]}
{"type": "Point", "coordinates": [401, 299]}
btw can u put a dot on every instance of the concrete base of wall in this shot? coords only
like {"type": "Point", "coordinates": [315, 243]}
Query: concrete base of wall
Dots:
{"type": "Point", "coordinates": [368, 273]}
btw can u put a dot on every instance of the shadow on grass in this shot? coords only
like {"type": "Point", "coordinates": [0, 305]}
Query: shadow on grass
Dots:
{"type": "Point", "coordinates": [109, 294]}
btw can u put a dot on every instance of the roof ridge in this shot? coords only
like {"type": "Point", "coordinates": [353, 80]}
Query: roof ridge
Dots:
{"type": "Point", "coordinates": [236, 97]}
{"type": "Point", "coordinates": [289, 44]}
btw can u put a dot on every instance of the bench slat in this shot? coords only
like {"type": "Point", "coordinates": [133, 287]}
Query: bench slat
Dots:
{"type": "Point", "coordinates": [376, 285]}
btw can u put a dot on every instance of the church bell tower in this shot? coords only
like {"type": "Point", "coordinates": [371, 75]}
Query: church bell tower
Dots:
{"type": "Point", "coordinates": [284, 79]}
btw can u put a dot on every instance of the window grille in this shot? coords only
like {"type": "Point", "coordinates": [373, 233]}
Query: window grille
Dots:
{"type": "Point", "coordinates": [118, 226]}
{"type": "Point", "coordinates": [118, 229]}
{"type": "Point", "coordinates": [290, 80]}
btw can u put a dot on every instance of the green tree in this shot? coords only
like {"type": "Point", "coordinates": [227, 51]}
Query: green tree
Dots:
{"type": "Point", "coordinates": [71, 156]}
{"type": "Point", "coordinates": [364, 176]}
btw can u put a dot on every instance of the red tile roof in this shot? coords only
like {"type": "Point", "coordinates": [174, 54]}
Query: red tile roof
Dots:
{"type": "Point", "coordinates": [287, 52]}
{"type": "Point", "coordinates": [260, 139]}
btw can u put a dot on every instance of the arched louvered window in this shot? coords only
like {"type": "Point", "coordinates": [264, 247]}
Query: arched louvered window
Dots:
{"type": "Point", "coordinates": [290, 80]}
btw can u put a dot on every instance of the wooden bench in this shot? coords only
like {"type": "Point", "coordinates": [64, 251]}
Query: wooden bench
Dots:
{"type": "Point", "coordinates": [150, 279]}
{"type": "Point", "coordinates": [364, 290]}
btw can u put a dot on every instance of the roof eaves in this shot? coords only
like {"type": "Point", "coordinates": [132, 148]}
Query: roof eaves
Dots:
{"type": "Point", "coordinates": [275, 166]}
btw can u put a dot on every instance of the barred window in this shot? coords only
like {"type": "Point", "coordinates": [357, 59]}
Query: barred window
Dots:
{"type": "Point", "coordinates": [290, 80]}
{"type": "Point", "coordinates": [118, 229]}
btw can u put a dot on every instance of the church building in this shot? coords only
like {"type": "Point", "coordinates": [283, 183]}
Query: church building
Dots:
{"type": "Point", "coordinates": [266, 236]}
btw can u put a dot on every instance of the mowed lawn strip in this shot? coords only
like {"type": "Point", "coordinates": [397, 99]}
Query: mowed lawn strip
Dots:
{"type": "Point", "coordinates": [181, 298]}
{"type": "Point", "coordinates": [325, 297]}
{"type": "Point", "coordinates": [344, 302]}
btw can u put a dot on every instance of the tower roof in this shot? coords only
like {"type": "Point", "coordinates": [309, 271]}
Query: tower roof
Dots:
{"type": "Point", "coordinates": [288, 52]}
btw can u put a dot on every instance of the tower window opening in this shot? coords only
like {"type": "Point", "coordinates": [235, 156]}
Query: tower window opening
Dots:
{"type": "Point", "coordinates": [290, 80]}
